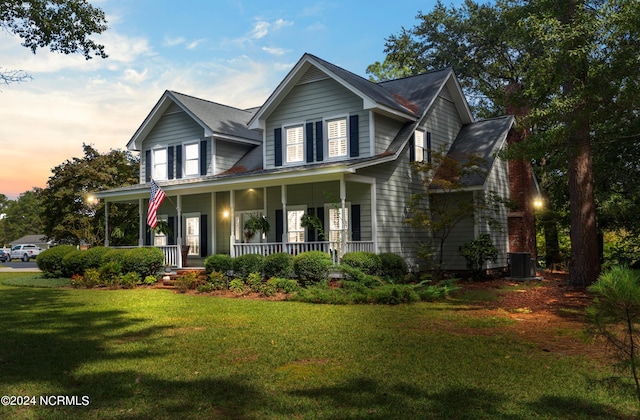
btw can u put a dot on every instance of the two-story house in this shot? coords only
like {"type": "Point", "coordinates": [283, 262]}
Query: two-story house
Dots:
{"type": "Point", "coordinates": [326, 143]}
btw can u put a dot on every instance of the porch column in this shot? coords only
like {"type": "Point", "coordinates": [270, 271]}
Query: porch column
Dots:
{"type": "Point", "coordinates": [179, 223]}
{"type": "Point", "coordinates": [142, 222]}
{"type": "Point", "coordinates": [343, 213]}
{"type": "Point", "coordinates": [374, 216]}
{"type": "Point", "coordinates": [232, 222]}
{"type": "Point", "coordinates": [214, 221]}
{"type": "Point", "coordinates": [285, 228]}
{"type": "Point", "coordinates": [106, 223]}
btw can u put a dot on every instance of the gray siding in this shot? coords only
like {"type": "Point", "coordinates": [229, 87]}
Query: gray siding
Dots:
{"type": "Point", "coordinates": [498, 184]}
{"type": "Point", "coordinates": [386, 129]}
{"type": "Point", "coordinates": [172, 128]}
{"type": "Point", "coordinates": [395, 182]}
{"type": "Point", "coordinates": [444, 123]}
{"type": "Point", "coordinates": [227, 154]}
{"type": "Point", "coordinates": [313, 102]}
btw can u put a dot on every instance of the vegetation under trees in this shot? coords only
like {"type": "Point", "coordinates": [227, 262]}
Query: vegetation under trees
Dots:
{"type": "Point", "coordinates": [573, 65]}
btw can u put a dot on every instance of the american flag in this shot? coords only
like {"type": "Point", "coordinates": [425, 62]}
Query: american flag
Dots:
{"type": "Point", "coordinates": [157, 195]}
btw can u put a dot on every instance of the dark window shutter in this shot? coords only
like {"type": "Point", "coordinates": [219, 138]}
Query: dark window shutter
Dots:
{"type": "Point", "coordinates": [319, 141]}
{"type": "Point", "coordinates": [203, 157]}
{"type": "Point", "coordinates": [311, 232]}
{"type": "Point", "coordinates": [428, 146]}
{"type": "Point", "coordinates": [309, 141]}
{"type": "Point", "coordinates": [354, 137]}
{"type": "Point", "coordinates": [279, 225]}
{"type": "Point", "coordinates": [204, 237]}
{"type": "Point", "coordinates": [171, 238]}
{"type": "Point", "coordinates": [170, 162]}
{"type": "Point", "coordinates": [178, 162]}
{"type": "Point", "coordinates": [320, 214]}
{"type": "Point", "coordinates": [277, 134]}
{"type": "Point", "coordinates": [147, 166]}
{"type": "Point", "coordinates": [355, 222]}
{"type": "Point", "coordinates": [412, 148]}
{"type": "Point", "coordinates": [147, 236]}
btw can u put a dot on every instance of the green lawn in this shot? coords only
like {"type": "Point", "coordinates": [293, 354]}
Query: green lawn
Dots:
{"type": "Point", "coordinates": [149, 353]}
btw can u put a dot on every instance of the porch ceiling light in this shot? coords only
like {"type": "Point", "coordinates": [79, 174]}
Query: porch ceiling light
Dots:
{"type": "Point", "coordinates": [225, 214]}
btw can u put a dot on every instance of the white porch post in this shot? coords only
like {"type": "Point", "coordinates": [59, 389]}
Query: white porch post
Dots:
{"type": "Point", "coordinates": [142, 222]}
{"type": "Point", "coordinates": [179, 222]}
{"type": "Point", "coordinates": [343, 213]}
{"type": "Point", "coordinates": [285, 228]}
{"type": "Point", "coordinates": [214, 220]}
{"type": "Point", "coordinates": [106, 223]}
{"type": "Point", "coordinates": [232, 222]}
{"type": "Point", "coordinates": [374, 216]}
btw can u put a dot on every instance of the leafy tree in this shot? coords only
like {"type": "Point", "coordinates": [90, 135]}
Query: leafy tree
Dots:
{"type": "Point", "coordinates": [63, 25]}
{"type": "Point", "coordinates": [23, 216]}
{"type": "Point", "coordinates": [69, 214]}
{"type": "Point", "coordinates": [573, 65]}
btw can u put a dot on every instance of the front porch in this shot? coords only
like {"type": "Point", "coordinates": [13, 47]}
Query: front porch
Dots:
{"type": "Point", "coordinates": [173, 257]}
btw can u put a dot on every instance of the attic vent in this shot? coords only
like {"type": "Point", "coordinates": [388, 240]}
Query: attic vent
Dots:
{"type": "Point", "coordinates": [314, 74]}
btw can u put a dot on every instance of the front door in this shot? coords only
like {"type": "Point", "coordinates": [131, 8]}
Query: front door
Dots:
{"type": "Point", "coordinates": [192, 237]}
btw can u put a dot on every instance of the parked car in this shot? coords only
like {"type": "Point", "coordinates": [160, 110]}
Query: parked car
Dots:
{"type": "Point", "coordinates": [4, 256]}
{"type": "Point", "coordinates": [25, 252]}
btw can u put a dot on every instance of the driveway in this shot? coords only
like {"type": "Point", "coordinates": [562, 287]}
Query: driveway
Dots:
{"type": "Point", "coordinates": [16, 265]}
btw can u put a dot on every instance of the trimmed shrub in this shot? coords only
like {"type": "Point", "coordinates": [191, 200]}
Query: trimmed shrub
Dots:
{"type": "Point", "coordinates": [73, 263]}
{"type": "Point", "coordinates": [247, 264]}
{"type": "Point", "coordinates": [218, 262]}
{"type": "Point", "coordinates": [144, 261]}
{"type": "Point", "coordinates": [393, 267]}
{"type": "Point", "coordinates": [91, 278]}
{"type": "Point", "coordinates": [114, 254]}
{"type": "Point", "coordinates": [357, 276]}
{"type": "Point", "coordinates": [393, 295]}
{"type": "Point", "coordinates": [367, 262]}
{"type": "Point", "coordinates": [312, 267]}
{"type": "Point", "coordinates": [93, 257]}
{"type": "Point", "coordinates": [50, 260]}
{"type": "Point", "coordinates": [188, 280]}
{"type": "Point", "coordinates": [278, 265]}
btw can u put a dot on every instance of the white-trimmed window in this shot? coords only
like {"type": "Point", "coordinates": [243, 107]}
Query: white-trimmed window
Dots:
{"type": "Point", "coordinates": [160, 238]}
{"type": "Point", "coordinates": [419, 145]}
{"type": "Point", "coordinates": [295, 230]}
{"type": "Point", "coordinates": [294, 141]}
{"type": "Point", "coordinates": [337, 138]}
{"type": "Point", "coordinates": [159, 161]}
{"type": "Point", "coordinates": [338, 222]}
{"type": "Point", "coordinates": [192, 232]}
{"type": "Point", "coordinates": [192, 159]}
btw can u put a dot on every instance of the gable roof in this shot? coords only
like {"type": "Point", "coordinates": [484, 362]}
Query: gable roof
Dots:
{"type": "Point", "coordinates": [483, 139]}
{"type": "Point", "coordinates": [405, 99]}
{"type": "Point", "coordinates": [215, 119]}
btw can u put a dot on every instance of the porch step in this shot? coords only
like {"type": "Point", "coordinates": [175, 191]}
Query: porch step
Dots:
{"type": "Point", "coordinates": [170, 280]}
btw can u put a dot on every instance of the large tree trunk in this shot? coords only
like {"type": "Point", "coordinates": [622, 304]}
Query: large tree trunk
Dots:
{"type": "Point", "coordinates": [584, 266]}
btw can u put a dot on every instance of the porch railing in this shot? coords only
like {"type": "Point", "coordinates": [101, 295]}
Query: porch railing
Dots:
{"type": "Point", "coordinates": [295, 248]}
{"type": "Point", "coordinates": [171, 253]}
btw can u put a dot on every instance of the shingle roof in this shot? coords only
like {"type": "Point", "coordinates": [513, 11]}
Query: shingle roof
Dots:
{"type": "Point", "coordinates": [482, 139]}
{"type": "Point", "coordinates": [220, 119]}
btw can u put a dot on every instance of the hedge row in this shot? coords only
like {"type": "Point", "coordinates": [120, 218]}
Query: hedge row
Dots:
{"type": "Point", "coordinates": [67, 261]}
{"type": "Point", "coordinates": [309, 267]}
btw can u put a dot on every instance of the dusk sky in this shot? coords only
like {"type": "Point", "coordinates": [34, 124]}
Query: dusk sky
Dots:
{"type": "Point", "coordinates": [233, 52]}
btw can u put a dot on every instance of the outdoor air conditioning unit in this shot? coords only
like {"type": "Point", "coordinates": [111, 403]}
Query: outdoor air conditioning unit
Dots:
{"type": "Point", "coordinates": [521, 265]}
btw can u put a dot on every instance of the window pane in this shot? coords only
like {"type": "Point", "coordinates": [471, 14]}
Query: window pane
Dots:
{"type": "Point", "coordinates": [419, 146]}
{"type": "Point", "coordinates": [337, 137]}
{"type": "Point", "coordinates": [294, 223]}
{"type": "Point", "coordinates": [191, 151]}
{"type": "Point", "coordinates": [295, 145]}
{"type": "Point", "coordinates": [159, 164]}
{"type": "Point", "coordinates": [191, 161]}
